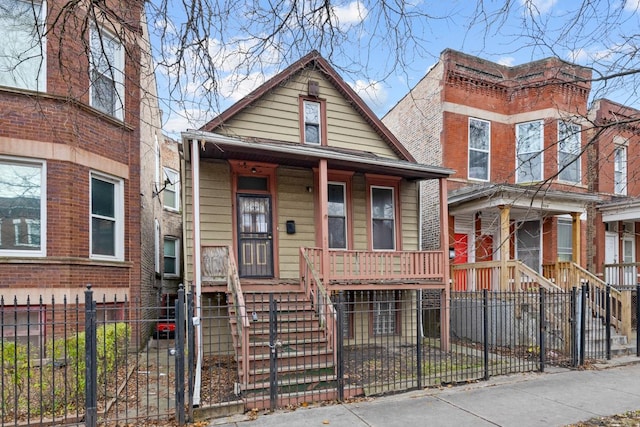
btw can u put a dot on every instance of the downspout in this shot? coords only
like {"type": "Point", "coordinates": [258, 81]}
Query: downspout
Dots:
{"type": "Point", "coordinates": [197, 276]}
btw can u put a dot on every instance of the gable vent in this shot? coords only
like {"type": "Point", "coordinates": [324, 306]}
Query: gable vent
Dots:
{"type": "Point", "coordinates": [314, 88]}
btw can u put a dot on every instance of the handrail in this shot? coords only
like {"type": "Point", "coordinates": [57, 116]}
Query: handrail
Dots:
{"type": "Point", "coordinates": [314, 289]}
{"type": "Point", "coordinates": [242, 321]}
{"type": "Point", "coordinates": [621, 274]}
{"type": "Point", "coordinates": [486, 275]}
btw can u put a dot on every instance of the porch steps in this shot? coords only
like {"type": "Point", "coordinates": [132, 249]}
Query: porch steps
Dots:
{"type": "Point", "coordinates": [306, 369]}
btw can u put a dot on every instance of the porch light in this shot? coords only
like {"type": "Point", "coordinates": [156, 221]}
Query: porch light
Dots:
{"type": "Point", "coordinates": [452, 253]}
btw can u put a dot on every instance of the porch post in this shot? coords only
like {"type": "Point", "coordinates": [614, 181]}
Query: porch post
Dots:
{"type": "Point", "coordinates": [323, 202]}
{"type": "Point", "coordinates": [197, 277]}
{"type": "Point", "coordinates": [444, 247]}
{"type": "Point", "coordinates": [575, 238]}
{"type": "Point", "coordinates": [505, 245]}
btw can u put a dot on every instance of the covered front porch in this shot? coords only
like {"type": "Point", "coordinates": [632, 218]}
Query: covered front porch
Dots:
{"type": "Point", "coordinates": [617, 240]}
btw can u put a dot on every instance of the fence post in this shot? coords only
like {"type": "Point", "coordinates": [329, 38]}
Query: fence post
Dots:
{"type": "Point", "coordinates": [608, 322]}
{"type": "Point", "coordinates": [485, 331]}
{"type": "Point", "coordinates": [583, 320]}
{"type": "Point", "coordinates": [179, 355]}
{"type": "Point", "coordinates": [574, 326]}
{"type": "Point", "coordinates": [191, 349]}
{"type": "Point", "coordinates": [273, 356]}
{"type": "Point", "coordinates": [91, 362]}
{"type": "Point", "coordinates": [637, 319]}
{"type": "Point", "coordinates": [340, 345]}
{"type": "Point", "coordinates": [543, 330]}
{"type": "Point", "coordinates": [419, 337]}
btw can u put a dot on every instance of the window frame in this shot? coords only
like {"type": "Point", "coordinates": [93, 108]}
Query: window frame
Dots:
{"type": "Point", "coordinates": [176, 246]}
{"type": "Point", "coordinates": [531, 154]}
{"type": "Point", "coordinates": [42, 251]}
{"type": "Point", "coordinates": [391, 297]}
{"type": "Point", "coordinates": [487, 151]}
{"type": "Point", "coordinates": [118, 218]}
{"type": "Point", "coordinates": [563, 167]}
{"type": "Point", "coordinates": [345, 216]}
{"type": "Point", "coordinates": [115, 72]}
{"type": "Point", "coordinates": [567, 251]}
{"type": "Point", "coordinates": [41, 77]}
{"type": "Point", "coordinates": [620, 168]}
{"type": "Point", "coordinates": [396, 215]}
{"type": "Point", "coordinates": [322, 128]}
{"type": "Point", "coordinates": [171, 188]}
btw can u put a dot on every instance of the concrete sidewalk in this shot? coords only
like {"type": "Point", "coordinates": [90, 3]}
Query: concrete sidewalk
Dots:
{"type": "Point", "coordinates": [555, 398]}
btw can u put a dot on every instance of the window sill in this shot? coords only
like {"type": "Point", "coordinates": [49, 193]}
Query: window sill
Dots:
{"type": "Point", "coordinates": [64, 261]}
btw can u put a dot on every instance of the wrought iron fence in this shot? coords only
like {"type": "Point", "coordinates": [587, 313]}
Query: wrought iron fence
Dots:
{"type": "Point", "coordinates": [118, 362]}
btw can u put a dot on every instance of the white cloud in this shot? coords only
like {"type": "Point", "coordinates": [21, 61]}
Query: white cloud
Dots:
{"type": "Point", "coordinates": [236, 86]}
{"type": "Point", "coordinates": [180, 121]}
{"type": "Point", "coordinates": [371, 92]}
{"type": "Point", "coordinates": [538, 7]}
{"type": "Point", "coordinates": [631, 5]}
{"type": "Point", "coordinates": [351, 14]}
{"type": "Point", "coordinates": [507, 61]}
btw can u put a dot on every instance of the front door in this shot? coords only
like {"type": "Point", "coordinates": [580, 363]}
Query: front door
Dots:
{"type": "Point", "coordinates": [611, 256]}
{"type": "Point", "coordinates": [255, 236]}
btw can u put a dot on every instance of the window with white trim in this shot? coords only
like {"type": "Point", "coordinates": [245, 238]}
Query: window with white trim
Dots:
{"type": "Point", "coordinates": [156, 245]}
{"type": "Point", "coordinates": [312, 125]}
{"type": "Point", "coordinates": [620, 169]}
{"type": "Point", "coordinates": [383, 221]}
{"type": "Point", "coordinates": [107, 218]}
{"type": "Point", "coordinates": [107, 73]}
{"type": "Point", "coordinates": [479, 146]}
{"type": "Point", "coordinates": [22, 51]}
{"type": "Point", "coordinates": [171, 256]}
{"type": "Point", "coordinates": [529, 138]}
{"type": "Point", "coordinates": [569, 151]}
{"type": "Point", "coordinates": [22, 207]}
{"type": "Point", "coordinates": [337, 215]}
{"type": "Point", "coordinates": [171, 196]}
{"type": "Point", "coordinates": [565, 237]}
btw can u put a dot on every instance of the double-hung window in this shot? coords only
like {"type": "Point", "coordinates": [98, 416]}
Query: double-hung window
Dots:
{"type": "Point", "coordinates": [22, 207]}
{"type": "Point", "coordinates": [383, 219]}
{"type": "Point", "coordinates": [337, 216]}
{"type": "Point", "coordinates": [620, 169]}
{"type": "Point", "coordinates": [107, 218]}
{"type": "Point", "coordinates": [479, 146]}
{"type": "Point", "coordinates": [171, 256]}
{"type": "Point", "coordinates": [529, 151]}
{"type": "Point", "coordinates": [312, 122]}
{"type": "Point", "coordinates": [22, 50]}
{"type": "Point", "coordinates": [171, 196]}
{"type": "Point", "coordinates": [568, 152]}
{"type": "Point", "coordinates": [107, 71]}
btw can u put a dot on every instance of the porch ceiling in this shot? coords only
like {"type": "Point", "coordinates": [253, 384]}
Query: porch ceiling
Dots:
{"type": "Point", "coordinates": [216, 146]}
{"type": "Point", "coordinates": [620, 210]}
{"type": "Point", "coordinates": [524, 201]}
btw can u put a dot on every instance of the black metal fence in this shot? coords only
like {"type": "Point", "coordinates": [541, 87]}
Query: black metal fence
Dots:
{"type": "Point", "coordinates": [111, 362]}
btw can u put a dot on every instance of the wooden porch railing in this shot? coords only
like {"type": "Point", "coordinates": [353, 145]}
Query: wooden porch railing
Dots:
{"type": "Point", "coordinates": [242, 321]}
{"type": "Point", "coordinates": [380, 265]}
{"type": "Point", "coordinates": [318, 295]}
{"type": "Point", "coordinates": [486, 275]}
{"type": "Point", "coordinates": [622, 275]}
{"type": "Point", "coordinates": [568, 275]}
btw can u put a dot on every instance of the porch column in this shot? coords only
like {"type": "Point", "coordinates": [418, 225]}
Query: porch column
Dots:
{"type": "Point", "coordinates": [197, 270]}
{"type": "Point", "coordinates": [505, 245]}
{"type": "Point", "coordinates": [323, 202]}
{"type": "Point", "coordinates": [444, 247]}
{"type": "Point", "coordinates": [575, 238]}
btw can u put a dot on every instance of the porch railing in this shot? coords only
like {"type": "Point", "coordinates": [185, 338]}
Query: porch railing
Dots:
{"type": "Point", "coordinates": [242, 321]}
{"type": "Point", "coordinates": [488, 275]}
{"type": "Point", "coordinates": [622, 275]}
{"type": "Point", "coordinates": [567, 274]}
{"type": "Point", "coordinates": [317, 294]}
{"type": "Point", "coordinates": [380, 265]}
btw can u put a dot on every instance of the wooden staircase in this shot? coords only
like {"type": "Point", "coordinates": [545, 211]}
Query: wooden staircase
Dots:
{"type": "Point", "coordinates": [305, 358]}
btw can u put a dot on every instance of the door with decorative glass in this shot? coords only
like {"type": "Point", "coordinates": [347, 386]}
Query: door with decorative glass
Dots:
{"type": "Point", "coordinates": [255, 236]}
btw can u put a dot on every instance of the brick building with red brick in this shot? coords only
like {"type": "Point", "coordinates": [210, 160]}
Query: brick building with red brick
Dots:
{"type": "Point", "coordinates": [78, 126]}
{"type": "Point", "coordinates": [514, 136]}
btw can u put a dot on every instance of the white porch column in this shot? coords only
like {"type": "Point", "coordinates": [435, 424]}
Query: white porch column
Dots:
{"type": "Point", "coordinates": [197, 268]}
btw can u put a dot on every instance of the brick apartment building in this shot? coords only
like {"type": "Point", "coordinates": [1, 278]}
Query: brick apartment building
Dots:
{"type": "Point", "coordinates": [78, 129]}
{"type": "Point", "coordinates": [514, 136]}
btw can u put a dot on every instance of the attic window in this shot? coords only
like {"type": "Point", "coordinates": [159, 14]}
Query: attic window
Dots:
{"type": "Point", "coordinates": [312, 122]}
